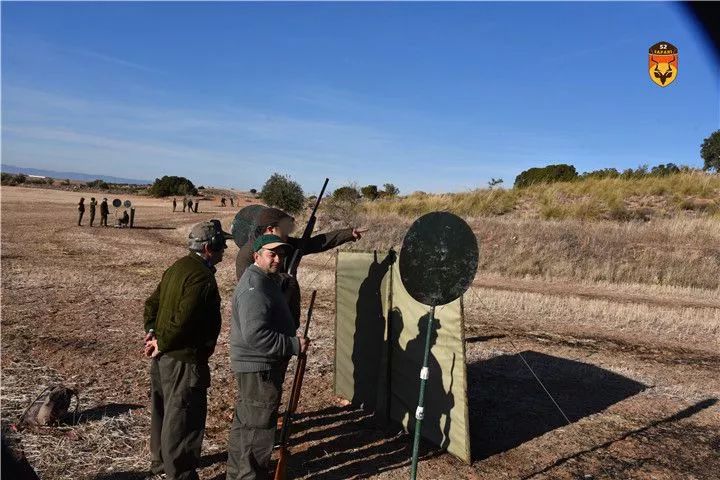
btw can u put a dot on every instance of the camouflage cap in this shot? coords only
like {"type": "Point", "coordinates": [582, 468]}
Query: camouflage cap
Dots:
{"type": "Point", "coordinates": [204, 232]}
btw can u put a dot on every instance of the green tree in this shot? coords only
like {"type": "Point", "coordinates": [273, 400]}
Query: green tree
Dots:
{"type": "Point", "coordinates": [281, 192]}
{"type": "Point", "coordinates": [390, 190]}
{"type": "Point", "coordinates": [370, 192]}
{"type": "Point", "coordinates": [172, 185]}
{"type": "Point", "coordinates": [710, 151]}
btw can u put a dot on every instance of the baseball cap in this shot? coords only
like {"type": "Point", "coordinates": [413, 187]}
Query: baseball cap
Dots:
{"type": "Point", "coordinates": [204, 232]}
{"type": "Point", "coordinates": [268, 242]}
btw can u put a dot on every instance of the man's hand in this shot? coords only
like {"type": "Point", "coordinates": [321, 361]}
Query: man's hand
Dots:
{"type": "Point", "coordinates": [304, 343]}
{"type": "Point", "coordinates": [357, 233]}
{"type": "Point", "coordinates": [151, 347]}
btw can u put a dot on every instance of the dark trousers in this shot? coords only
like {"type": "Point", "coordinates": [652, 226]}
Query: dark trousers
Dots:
{"type": "Point", "coordinates": [103, 219]}
{"type": "Point", "coordinates": [92, 217]}
{"type": "Point", "coordinates": [80, 215]}
{"type": "Point", "coordinates": [179, 408]}
{"type": "Point", "coordinates": [253, 429]}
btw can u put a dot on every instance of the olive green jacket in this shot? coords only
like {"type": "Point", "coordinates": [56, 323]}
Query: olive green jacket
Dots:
{"type": "Point", "coordinates": [184, 310]}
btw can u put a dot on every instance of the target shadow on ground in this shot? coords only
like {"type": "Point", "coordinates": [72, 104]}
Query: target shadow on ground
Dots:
{"type": "Point", "coordinates": [508, 407]}
{"type": "Point", "coordinates": [350, 442]}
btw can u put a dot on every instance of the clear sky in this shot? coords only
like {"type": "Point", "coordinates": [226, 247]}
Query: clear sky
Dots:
{"type": "Point", "coordinates": [428, 96]}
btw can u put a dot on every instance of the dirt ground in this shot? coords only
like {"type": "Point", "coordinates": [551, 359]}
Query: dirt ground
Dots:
{"type": "Point", "coordinates": [640, 393]}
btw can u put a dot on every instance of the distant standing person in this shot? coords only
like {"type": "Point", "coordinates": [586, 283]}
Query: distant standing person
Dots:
{"type": "Point", "coordinates": [174, 204]}
{"type": "Point", "coordinates": [197, 204]}
{"type": "Point", "coordinates": [232, 204]}
{"type": "Point", "coordinates": [81, 210]}
{"type": "Point", "coordinates": [93, 204]}
{"type": "Point", "coordinates": [185, 202]}
{"type": "Point", "coordinates": [104, 212]}
{"type": "Point", "coordinates": [190, 204]}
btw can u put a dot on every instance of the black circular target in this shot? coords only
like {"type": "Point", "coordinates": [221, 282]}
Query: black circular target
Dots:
{"type": "Point", "coordinates": [439, 258]}
{"type": "Point", "coordinates": [116, 203]}
{"type": "Point", "coordinates": [245, 223]}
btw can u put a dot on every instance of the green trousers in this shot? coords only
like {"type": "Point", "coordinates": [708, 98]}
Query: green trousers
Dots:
{"type": "Point", "coordinates": [179, 408]}
{"type": "Point", "coordinates": [252, 433]}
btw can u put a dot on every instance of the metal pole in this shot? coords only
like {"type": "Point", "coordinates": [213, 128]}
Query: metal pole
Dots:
{"type": "Point", "coordinates": [420, 412]}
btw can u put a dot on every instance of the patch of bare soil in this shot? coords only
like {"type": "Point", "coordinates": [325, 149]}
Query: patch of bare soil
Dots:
{"type": "Point", "coordinates": [72, 302]}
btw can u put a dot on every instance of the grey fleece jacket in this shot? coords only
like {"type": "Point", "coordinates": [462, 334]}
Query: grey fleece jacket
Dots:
{"type": "Point", "coordinates": [262, 333]}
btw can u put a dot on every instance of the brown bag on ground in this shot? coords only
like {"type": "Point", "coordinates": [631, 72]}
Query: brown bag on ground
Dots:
{"type": "Point", "coordinates": [49, 407]}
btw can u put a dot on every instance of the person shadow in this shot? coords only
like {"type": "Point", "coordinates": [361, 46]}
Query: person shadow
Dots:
{"type": "Point", "coordinates": [369, 338]}
{"type": "Point", "coordinates": [405, 381]}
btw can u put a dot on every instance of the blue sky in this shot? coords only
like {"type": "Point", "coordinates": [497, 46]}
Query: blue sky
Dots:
{"type": "Point", "coordinates": [428, 96]}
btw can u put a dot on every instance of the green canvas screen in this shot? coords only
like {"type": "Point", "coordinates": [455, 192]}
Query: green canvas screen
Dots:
{"type": "Point", "coordinates": [380, 339]}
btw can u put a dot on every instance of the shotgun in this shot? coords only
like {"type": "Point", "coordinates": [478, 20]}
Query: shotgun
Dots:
{"type": "Point", "coordinates": [281, 467]}
{"type": "Point", "coordinates": [297, 255]}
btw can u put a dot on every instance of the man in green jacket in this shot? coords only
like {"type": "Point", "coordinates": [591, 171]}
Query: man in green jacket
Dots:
{"type": "Point", "coordinates": [182, 324]}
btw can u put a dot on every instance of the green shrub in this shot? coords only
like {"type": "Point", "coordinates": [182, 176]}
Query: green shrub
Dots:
{"type": "Point", "coordinates": [370, 192]}
{"type": "Point", "coordinates": [98, 184]}
{"type": "Point", "coordinates": [172, 185]}
{"type": "Point", "coordinates": [602, 173]}
{"type": "Point", "coordinates": [348, 193]}
{"type": "Point", "coordinates": [281, 192]}
{"type": "Point", "coordinates": [7, 179]}
{"type": "Point", "coordinates": [548, 174]}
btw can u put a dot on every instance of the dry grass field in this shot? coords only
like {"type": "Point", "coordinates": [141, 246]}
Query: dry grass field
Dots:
{"type": "Point", "coordinates": [621, 321]}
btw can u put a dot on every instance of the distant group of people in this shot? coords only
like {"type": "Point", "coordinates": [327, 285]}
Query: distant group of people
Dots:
{"type": "Point", "coordinates": [223, 202]}
{"type": "Point", "coordinates": [187, 205]}
{"type": "Point", "coordinates": [104, 211]}
{"type": "Point", "coordinates": [123, 221]}
{"type": "Point", "coordinates": [182, 321]}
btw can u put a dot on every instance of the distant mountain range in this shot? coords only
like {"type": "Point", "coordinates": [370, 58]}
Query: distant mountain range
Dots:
{"type": "Point", "coordinates": [71, 175]}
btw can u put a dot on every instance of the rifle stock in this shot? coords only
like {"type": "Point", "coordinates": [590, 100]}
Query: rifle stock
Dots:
{"type": "Point", "coordinates": [281, 467]}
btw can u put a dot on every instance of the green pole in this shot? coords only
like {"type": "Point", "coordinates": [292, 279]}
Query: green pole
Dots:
{"type": "Point", "coordinates": [419, 413]}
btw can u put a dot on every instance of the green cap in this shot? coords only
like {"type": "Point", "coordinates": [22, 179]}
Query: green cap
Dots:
{"type": "Point", "coordinates": [269, 242]}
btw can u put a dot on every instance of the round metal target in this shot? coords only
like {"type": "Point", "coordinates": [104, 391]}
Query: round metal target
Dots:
{"type": "Point", "coordinates": [127, 203]}
{"type": "Point", "coordinates": [117, 203]}
{"type": "Point", "coordinates": [244, 224]}
{"type": "Point", "coordinates": [439, 258]}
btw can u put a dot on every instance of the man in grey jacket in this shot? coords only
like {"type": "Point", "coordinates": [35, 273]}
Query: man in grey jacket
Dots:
{"type": "Point", "coordinates": [262, 340]}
